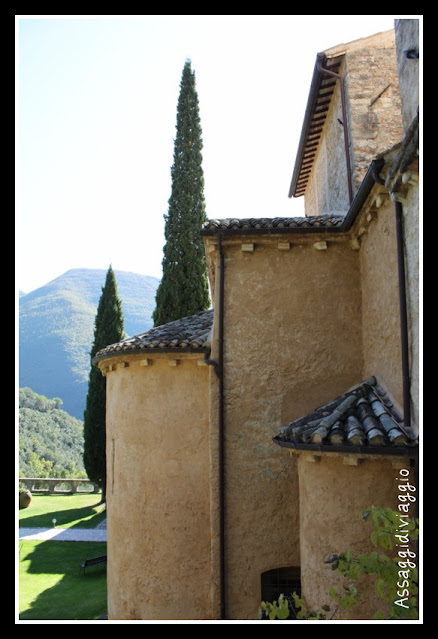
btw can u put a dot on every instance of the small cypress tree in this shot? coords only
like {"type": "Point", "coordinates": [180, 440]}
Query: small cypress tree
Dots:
{"type": "Point", "coordinates": [183, 289]}
{"type": "Point", "coordinates": [108, 329]}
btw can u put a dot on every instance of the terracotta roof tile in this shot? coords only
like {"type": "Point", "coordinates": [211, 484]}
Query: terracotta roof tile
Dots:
{"type": "Point", "coordinates": [315, 222]}
{"type": "Point", "coordinates": [362, 418]}
{"type": "Point", "coordinates": [188, 333]}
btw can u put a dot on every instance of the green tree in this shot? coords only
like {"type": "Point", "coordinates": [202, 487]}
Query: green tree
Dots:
{"type": "Point", "coordinates": [108, 329]}
{"type": "Point", "coordinates": [51, 441]}
{"type": "Point", "coordinates": [183, 289]}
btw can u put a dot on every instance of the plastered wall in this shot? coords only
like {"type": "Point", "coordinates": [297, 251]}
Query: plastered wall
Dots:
{"type": "Point", "coordinates": [380, 302]}
{"type": "Point", "coordinates": [412, 264]}
{"type": "Point", "coordinates": [292, 330]}
{"type": "Point", "coordinates": [333, 496]}
{"type": "Point", "coordinates": [158, 497]}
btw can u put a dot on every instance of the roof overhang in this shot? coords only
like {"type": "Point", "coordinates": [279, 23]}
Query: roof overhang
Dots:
{"type": "Point", "coordinates": [319, 101]}
{"type": "Point", "coordinates": [363, 420]}
{"type": "Point", "coordinates": [187, 335]}
{"type": "Point", "coordinates": [321, 92]}
{"type": "Point", "coordinates": [393, 451]}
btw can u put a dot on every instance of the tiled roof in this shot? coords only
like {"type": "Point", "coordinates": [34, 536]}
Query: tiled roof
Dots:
{"type": "Point", "coordinates": [364, 418]}
{"type": "Point", "coordinates": [187, 334]}
{"type": "Point", "coordinates": [314, 222]}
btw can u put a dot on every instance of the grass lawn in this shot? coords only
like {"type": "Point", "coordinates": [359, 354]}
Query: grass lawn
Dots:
{"type": "Point", "coordinates": [80, 511]}
{"type": "Point", "coordinates": [51, 585]}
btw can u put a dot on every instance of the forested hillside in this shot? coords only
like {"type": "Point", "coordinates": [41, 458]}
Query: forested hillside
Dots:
{"type": "Point", "coordinates": [51, 442]}
{"type": "Point", "coordinates": [56, 324]}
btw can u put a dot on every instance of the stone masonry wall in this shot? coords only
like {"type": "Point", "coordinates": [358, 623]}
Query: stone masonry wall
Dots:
{"type": "Point", "coordinates": [407, 39]}
{"type": "Point", "coordinates": [374, 103]}
{"type": "Point", "coordinates": [373, 117]}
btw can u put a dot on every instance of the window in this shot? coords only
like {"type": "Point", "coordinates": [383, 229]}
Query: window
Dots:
{"type": "Point", "coordinates": [281, 581]}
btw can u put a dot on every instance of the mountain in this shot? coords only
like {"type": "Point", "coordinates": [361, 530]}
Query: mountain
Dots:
{"type": "Point", "coordinates": [56, 330]}
{"type": "Point", "coordinates": [51, 440]}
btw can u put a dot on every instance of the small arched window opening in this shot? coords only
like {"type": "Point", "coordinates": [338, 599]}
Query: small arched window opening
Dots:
{"type": "Point", "coordinates": [279, 581]}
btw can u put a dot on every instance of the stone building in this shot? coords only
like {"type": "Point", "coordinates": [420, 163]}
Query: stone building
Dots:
{"type": "Point", "coordinates": [244, 442]}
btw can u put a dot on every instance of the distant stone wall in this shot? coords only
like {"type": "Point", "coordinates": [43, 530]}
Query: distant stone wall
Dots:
{"type": "Point", "coordinates": [50, 485]}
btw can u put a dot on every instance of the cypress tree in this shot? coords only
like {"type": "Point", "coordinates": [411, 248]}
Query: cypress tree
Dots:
{"type": "Point", "coordinates": [108, 329]}
{"type": "Point", "coordinates": [183, 289]}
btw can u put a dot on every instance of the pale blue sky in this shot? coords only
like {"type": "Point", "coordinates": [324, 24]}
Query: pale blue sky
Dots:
{"type": "Point", "coordinates": [97, 101]}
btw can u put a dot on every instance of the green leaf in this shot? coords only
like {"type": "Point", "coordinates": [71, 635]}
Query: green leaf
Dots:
{"type": "Point", "coordinates": [385, 540]}
{"type": "Point", "coordinates": [374, 537]}
{"type": "Point", "coordinates": [355, 571]}
{"type": "Point", "coordinates": [298, 602]}
{"type": "Point", "coordinates": [283, 610]}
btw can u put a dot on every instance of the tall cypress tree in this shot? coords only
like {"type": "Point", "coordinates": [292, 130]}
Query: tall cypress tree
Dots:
{"type": "Point", "coordinates": [183, 289]}
{"type": "Point", "coordinates": [108, 329]}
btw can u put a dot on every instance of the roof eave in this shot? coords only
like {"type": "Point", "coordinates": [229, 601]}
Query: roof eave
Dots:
{"type": "Point", "coordinates": [149, 351]}
{"type": "Point", "coordinates": [311, 112]}
{"type": "Point", "coordinates": [410, 451]}
{"type": "Point", "coordinates": [314, 87]}
{"type": "Point", "coordinates": [371, 177]}
{"type": "Point", "coordinates": [273, 231]}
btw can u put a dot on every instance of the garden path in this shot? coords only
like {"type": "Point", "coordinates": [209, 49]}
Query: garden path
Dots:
{"type": "Point", "coordinates": [65, 534]}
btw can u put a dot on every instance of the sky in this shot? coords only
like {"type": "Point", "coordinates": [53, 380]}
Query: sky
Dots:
{"type": "Point", "coordinates": [95, 127]}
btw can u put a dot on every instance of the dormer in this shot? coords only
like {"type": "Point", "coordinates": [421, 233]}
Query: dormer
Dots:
{"type": "Point", "coordinates": [353, 114]}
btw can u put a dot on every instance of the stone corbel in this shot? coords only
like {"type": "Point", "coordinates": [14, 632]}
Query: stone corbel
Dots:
{"type": "Point", "coordinates": [248, 248]}
{"type": "Point", "coordinates": [352, 460]}
{"type": "Point", "coordinates": [313, 458]}
{"type": "Point", "coordinates": [412, 179]}
{"type": "Point", "coordinates": [398, 197]}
